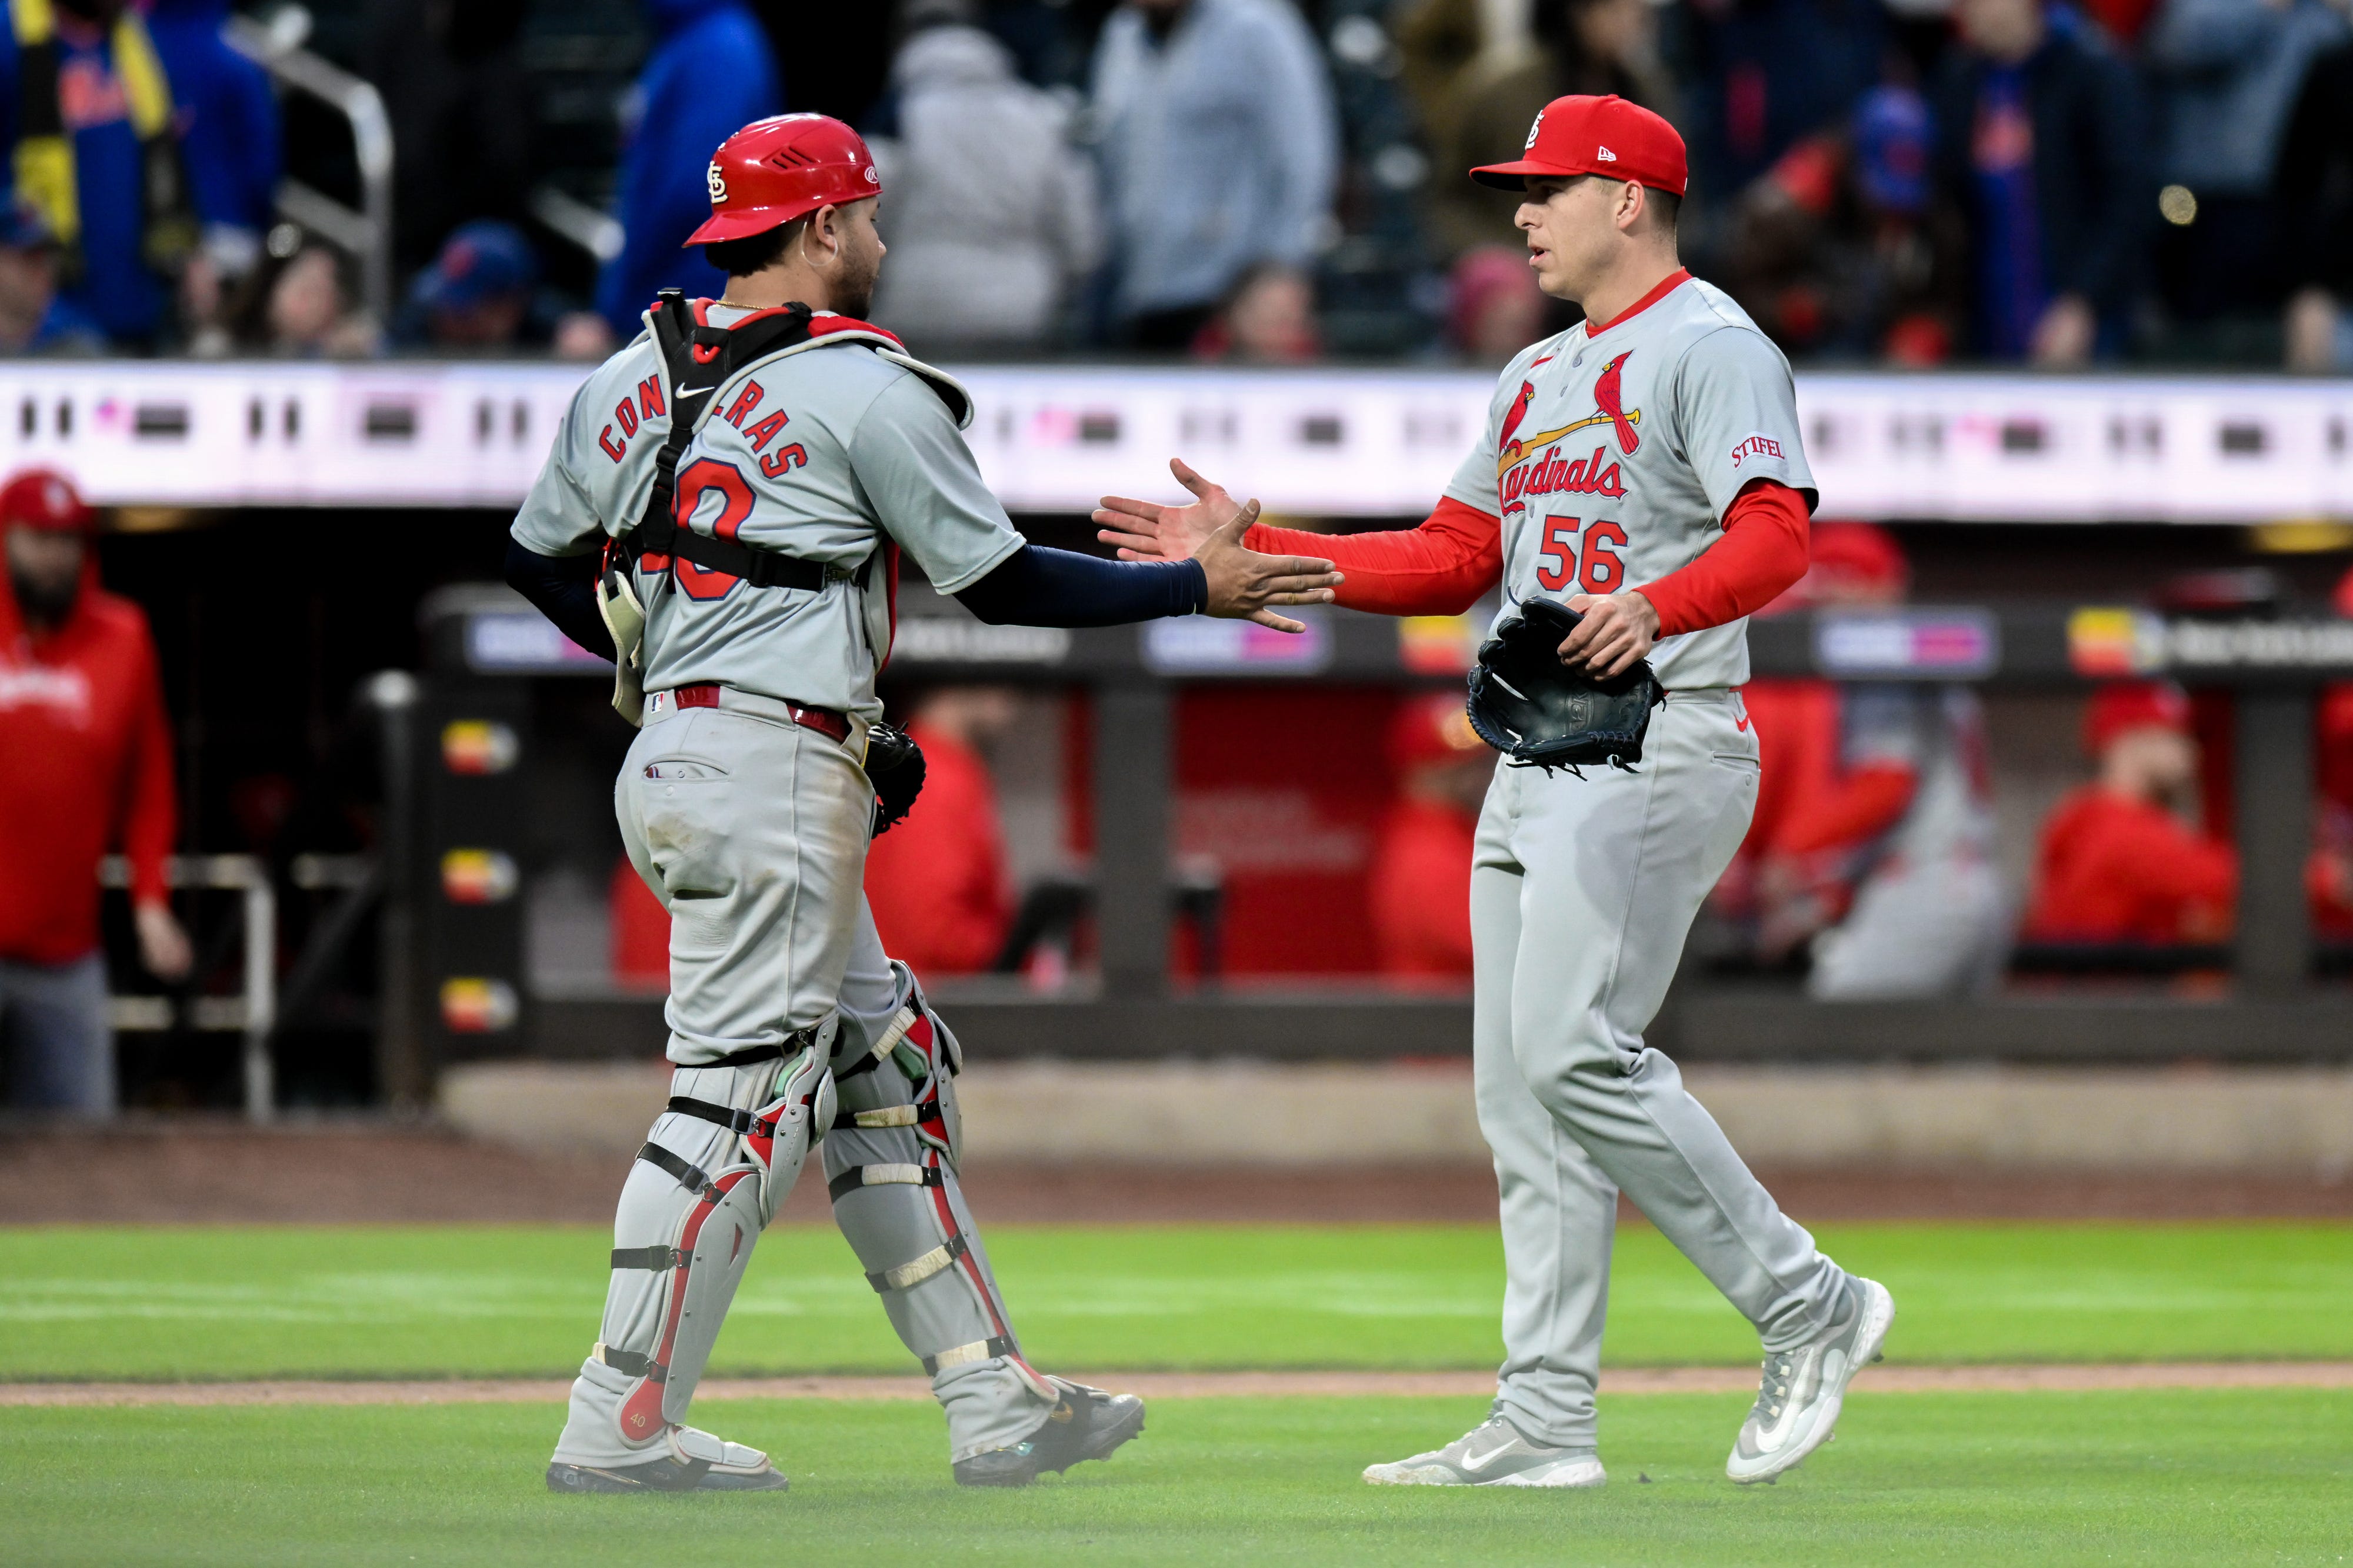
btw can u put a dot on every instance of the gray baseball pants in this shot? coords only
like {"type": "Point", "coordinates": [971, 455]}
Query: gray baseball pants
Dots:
{"type": "Point", "coordinates": [1582, 891]}
{"type": "Point", "coordinates": [752, 832]}
{"type": "Point", "coordinates": [1918, 929]}
{"type": "Point", "coordinates": [54, 1043]}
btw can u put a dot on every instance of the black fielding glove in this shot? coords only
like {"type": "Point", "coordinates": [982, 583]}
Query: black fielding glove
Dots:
{"type": "Point", "coordinates": [1542, 714]}
{"type": "Point", "coordinates": [894, 765]}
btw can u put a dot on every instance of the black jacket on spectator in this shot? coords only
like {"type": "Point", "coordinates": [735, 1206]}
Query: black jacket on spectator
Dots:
{"type": "Point", "coordinates": [2092, 195]}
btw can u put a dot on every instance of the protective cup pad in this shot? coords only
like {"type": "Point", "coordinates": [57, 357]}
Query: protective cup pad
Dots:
{"type": "Point", "coordinates": [1538, 712]}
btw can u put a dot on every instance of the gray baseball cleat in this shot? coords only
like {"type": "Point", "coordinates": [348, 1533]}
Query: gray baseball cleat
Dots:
{"type": "Point", "coordinates": [1493, 1454]}
{"type": "Point", "coordinates": [697, 1462]}
{"type": "Point", "coordinates": [1799, 1399]}
{"type": "Point", "coordinates": [1085, 1424]}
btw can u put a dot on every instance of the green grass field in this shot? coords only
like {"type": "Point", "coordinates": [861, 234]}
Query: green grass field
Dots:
{"type": "Point", "coordinates": [1979, 1480]}
{"type": "Point", "coordinates": [397, 1302]}
{"type": "Point", "coordinates": [2116, 1477]}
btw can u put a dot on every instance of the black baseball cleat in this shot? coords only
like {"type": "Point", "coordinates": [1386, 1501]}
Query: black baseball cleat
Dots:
{"type": "Point", "coordinates": [697, 1462]}
{"type": "Point", "coordinates": [1087, 1423]}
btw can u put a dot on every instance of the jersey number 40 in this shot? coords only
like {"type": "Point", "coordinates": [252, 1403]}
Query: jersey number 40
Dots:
{"type": "Point", "coordinates": [696, 480]}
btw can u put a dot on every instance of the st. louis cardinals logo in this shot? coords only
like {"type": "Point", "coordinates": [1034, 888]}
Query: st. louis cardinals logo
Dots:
{"type": "Point", "coordinates": [1518, 478]}
{"type": "Point", "coordinates": [1609, 408]}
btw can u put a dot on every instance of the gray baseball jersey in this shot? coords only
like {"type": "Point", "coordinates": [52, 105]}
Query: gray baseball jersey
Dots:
{"type": "Point", "coordinates": [827, 451]}
{"type": "Point", "coordinates": [1612, 456]}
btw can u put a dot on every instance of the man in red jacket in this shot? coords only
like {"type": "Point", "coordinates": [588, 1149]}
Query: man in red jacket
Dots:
{"type": "Point", "coordinates": [85, 767]}
{"type": "Point", "coordinates": [938, 882]}
{"type": "Point", "coordinates": [2118, 863]}
{"type": "Point", "coordinates": [1421, 866]}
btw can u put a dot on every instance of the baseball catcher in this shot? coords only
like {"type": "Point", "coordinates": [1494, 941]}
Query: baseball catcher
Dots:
{"type": "Point", "coordinates": [726, 513]}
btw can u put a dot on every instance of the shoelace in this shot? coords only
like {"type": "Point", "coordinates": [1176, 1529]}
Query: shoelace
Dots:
{"type": "Point", "coordinates": [1775, 1386]}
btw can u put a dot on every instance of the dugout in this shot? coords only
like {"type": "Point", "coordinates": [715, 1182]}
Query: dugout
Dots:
{"type": "Point", "coordinates": [302, 549]}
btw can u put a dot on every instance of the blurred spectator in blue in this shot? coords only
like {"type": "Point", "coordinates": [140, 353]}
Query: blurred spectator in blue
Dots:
{"type": "Point", "coordinates": [32, 319]}
{"type": "Point", "coordinates": [462, 108]}
{"type": "Point", "coordinates": [710, 75]}
{"type": "Point", "coordinates": [1762, 74]}
{"type": "Point", "coordinates": [1219, 151]}
{"type": "Point", "coordinates": [992, 215]}
{"type": "Point", "coordinates": [87, 116]}
{"type": "Point", "coordinates": [1838, 251]}
{"type": "Point", "coordinates": [228, 137]}
{"type": "Point", "coordinates": [2226, 73]}
{"type": "Point", "coordinates": [481, 292]}
{"type": "Point", "coordinates": [1480, 113]}
{"type": "Point", "coordinates": [228, 127]}
{"type": "Point", "coordinates": [2039, 146]}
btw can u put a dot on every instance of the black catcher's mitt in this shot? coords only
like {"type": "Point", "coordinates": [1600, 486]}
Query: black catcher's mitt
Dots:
{"type": "Point", "coordinates": [1542, 714]}
{"type": "Point", "coordinates": [894, 766]}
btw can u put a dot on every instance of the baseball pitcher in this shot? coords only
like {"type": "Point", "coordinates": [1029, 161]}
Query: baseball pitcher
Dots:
{"type": "Point", "coordinates": [723, 513]}
{"type": "Point", "coordinates": [1640, 491]}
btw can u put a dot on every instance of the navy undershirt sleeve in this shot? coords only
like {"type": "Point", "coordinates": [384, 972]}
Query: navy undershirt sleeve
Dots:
{"type": "Point", "coordinates": [1036, 586]}
{"type": "Point", "coordinates": [564, 589]}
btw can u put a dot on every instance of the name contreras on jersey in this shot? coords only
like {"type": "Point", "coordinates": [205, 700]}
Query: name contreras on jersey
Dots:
{"type": "Point", "coordinates": [628, 414]}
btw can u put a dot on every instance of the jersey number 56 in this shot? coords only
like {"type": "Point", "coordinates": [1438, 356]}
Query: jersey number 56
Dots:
{"type": "Point", "coordinates": [1557, 561]}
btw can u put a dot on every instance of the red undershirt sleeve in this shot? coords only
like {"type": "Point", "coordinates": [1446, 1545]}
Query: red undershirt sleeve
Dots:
{"type": "Point", "coordinates": [1762, 552]}
{"type": "Point", "coordinates": [1440, 568]}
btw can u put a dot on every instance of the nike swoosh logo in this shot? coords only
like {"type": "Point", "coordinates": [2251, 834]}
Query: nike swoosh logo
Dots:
{"type": "Point", "coordinates": [696, 391]}
{"type": "Point", "coordinates": [1741, 724]}
{"type": "Point", "coordinates": [1481, 1461]}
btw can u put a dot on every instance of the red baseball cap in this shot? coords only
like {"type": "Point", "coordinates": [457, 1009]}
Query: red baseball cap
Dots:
{"type": "Point", "coordinates": [46, 498]}
{"type": "Point", "coordinates": [775, 169]}
{"type": "Point", "coordinates": [2125, 705]}
{"type": "Point", "coordinates": [1580, 135]}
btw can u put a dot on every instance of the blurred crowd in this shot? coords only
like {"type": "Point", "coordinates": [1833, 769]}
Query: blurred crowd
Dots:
{"type": "Point", "coordinates": [1904, 182]}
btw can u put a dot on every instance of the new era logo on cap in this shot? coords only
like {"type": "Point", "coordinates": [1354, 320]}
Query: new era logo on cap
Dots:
{"type": "Point", "coordinates": [1580, 135]}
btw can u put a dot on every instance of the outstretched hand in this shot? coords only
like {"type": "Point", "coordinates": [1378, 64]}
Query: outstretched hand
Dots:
{"type": "Point", "coordinates": [1146, 531]}
{"type": "Point", "coordinates": [1243, 583]}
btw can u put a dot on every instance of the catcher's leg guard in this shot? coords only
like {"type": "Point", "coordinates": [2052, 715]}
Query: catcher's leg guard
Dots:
{"type": "Point", "coordinates": [719, 1163]}
{"type": "Point", "coordinates": [891, 1167]}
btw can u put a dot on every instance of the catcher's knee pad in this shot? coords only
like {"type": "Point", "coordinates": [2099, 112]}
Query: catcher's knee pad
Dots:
{"type": "Point", "coordinates": [905, 1076]}
{"type": "Point", "coordinates": [689, 1220]}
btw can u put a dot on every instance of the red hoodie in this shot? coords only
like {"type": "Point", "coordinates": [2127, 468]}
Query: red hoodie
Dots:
{"type": "Point", "coordinates": [85, 767]}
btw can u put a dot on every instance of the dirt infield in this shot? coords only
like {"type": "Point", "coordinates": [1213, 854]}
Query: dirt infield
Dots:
{"type": "Point", "coordinates": [208, 1171]}
{"type": "Point", "coordinates": [1215, 1385]}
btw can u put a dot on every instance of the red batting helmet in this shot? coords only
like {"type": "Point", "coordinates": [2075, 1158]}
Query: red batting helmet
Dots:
{"type": "Point", "coordinates": [774, 170]}
{"type": "Point", "coordinates": [44, 497]}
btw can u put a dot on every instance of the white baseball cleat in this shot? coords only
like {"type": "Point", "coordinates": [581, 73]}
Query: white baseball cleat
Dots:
{"type": "Point", "coordinates": [1491, 1454]}
{"type": "Point", "coordinates": [1798, 1402]}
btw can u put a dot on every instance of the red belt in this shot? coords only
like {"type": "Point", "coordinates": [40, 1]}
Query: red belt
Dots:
{"type": "Point", "coordinates": [833, 726]}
